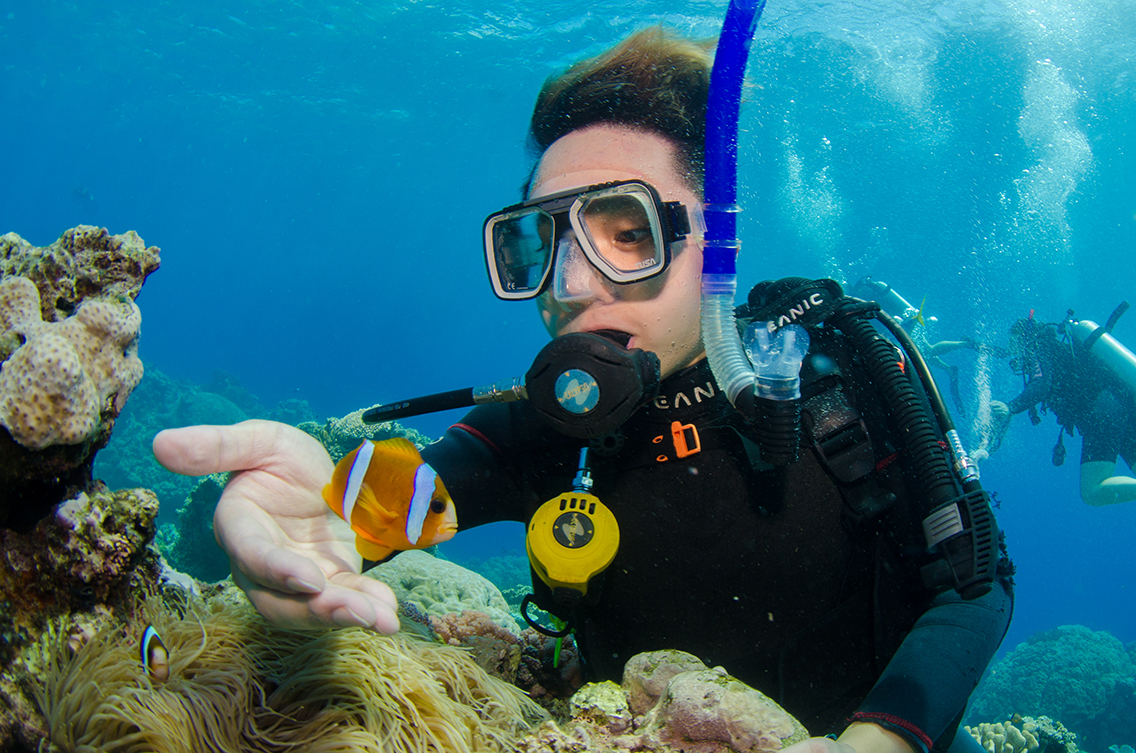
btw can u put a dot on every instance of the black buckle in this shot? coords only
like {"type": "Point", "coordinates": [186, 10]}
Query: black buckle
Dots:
{"type": "Point", "coordinates": [839, 435]}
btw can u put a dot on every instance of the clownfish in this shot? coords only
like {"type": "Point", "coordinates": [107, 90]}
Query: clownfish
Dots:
{"type": "Point", "coordinates": [155, 658]}
{"type": "Point", "coordinates": [392, 499]}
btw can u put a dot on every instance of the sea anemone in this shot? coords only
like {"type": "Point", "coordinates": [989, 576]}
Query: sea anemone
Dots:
{"type": "Point", "coordinates": [238, 684]}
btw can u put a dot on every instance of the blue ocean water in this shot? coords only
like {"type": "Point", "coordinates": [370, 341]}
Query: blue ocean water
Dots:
{"type": "Point", "coordinates": [317, 174]}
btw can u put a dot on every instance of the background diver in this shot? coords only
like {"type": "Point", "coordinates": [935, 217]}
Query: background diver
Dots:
{"type": "Point", "coordinates": [1084, 392]}
{"type": "Point", "coordinates": [914, 320]}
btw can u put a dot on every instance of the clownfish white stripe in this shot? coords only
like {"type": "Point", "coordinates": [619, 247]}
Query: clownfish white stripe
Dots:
{"type": "Point", "coordinates": [355, 478]}
{"type": "Point", "coordinates": [420, 502]}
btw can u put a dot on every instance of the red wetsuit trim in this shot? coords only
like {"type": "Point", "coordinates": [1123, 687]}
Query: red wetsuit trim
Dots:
{"type": "Point", "coordinates": [474, 432]}
{"type": "Point", "coordinates": [887, 461]}
{"type": "Point", "coordinates": [869, 716]}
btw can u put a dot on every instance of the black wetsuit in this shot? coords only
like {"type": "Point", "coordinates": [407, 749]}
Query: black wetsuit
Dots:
{"type": "Point", "coordinates": [756, 569]}
{"type": "Point", "coordinates": [1084, 396]}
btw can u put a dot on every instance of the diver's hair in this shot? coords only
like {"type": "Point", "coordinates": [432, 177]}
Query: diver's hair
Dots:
{"type": "Point", "coordinates": [654, 80]}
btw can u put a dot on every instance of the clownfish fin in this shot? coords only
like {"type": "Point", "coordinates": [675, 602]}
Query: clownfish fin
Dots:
{"type": "Point", "coordinates": [370, 550]}
{"type": "Point", "coordinates": [370, 512]}
{"type": "Point", "coordinates": [397, 446]}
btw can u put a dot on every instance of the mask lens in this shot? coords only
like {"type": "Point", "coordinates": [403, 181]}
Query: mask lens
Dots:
{"type": "Point", "coordinates": [574, 278]}
{"type": "Point", "coordinates": [621, 228]}
{"type": "Point", "coordinates": [521, 244]}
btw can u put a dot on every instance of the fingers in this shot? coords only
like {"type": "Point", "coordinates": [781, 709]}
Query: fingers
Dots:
{"type": "Point", "coordinates": [289, 587]}
{"type": "Point", "coordinates": [253, 540]}
{"type": "Point", "coordinates": [346, 601]}
{"type": "Point", "coordinates": [200, 450]}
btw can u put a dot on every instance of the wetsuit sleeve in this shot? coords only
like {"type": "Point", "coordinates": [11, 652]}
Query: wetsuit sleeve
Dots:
{"type": "Point", "coordinates": [1034, 393]}
{"type": "Point", "coordinates": [476, 461]}
{"type": "Point", "coordinates": [925, 686]}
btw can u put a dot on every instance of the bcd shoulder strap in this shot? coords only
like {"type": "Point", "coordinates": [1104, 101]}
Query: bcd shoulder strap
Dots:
{"type": "Point", "coordinates": [836, 430]}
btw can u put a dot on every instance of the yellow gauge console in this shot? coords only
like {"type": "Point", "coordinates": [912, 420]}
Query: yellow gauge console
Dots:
{"type": "Point", "coordinates": [570, 540]}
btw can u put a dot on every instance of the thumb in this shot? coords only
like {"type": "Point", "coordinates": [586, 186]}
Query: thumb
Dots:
{"type": "Point", "coordinates": [200, 450]}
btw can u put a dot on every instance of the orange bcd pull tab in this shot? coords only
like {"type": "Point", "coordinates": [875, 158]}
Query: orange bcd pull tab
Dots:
{"type": "Point", "coordinates": [682, 447]}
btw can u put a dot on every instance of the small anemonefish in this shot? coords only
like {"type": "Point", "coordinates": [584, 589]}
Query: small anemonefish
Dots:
{"type": "Point", "coordinates": [392, 499]}
{"type": "Point", "coordinates": [155, 658]}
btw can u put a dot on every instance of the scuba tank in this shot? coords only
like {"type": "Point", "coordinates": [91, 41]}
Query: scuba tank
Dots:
{"type": "Point", "coordinates": [1098, 340]}
{"type": "Point", "coordinates": [885, 295]}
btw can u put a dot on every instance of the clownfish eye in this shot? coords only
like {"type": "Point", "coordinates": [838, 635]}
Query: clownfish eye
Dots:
{"type": "Point", "coordinates": [438, 506]}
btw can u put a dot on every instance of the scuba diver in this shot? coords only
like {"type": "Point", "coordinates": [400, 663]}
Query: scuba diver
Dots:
{"type": "Point", "coordinates": [1087, 379]}
{"type": "Point", "coordinates": [913, 320]}
{"type": "Point", "coordinates": [799, 560]}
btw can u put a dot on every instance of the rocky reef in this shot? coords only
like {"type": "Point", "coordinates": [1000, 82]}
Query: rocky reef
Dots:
{"type": "Point", "coordinates": [81, 567]}
{"type": "Point", "coordinates": [69, 344]}
{"type": "Point", "coordinates": [669, 701]}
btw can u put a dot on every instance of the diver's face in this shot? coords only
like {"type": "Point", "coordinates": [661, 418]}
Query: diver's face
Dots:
{"type": "Point", "coordinates": [660, 314]}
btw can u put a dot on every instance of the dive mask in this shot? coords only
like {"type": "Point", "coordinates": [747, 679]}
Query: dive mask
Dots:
{"type": "Point", "coordinates": [624, 229]}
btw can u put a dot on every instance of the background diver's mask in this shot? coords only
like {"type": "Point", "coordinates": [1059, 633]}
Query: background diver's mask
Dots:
{"type": "Point", "coordinates": [622, 229]}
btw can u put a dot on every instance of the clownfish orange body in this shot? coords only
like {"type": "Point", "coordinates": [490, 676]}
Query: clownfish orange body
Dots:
{"type": "Point", "coordinates": [392, 499]}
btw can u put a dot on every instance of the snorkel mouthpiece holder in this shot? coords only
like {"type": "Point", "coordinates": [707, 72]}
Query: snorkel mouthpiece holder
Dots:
{"type": "Point", "coordinates": [586, 386]}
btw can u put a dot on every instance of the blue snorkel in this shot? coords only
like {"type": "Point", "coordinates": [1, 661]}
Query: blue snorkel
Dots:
{"type": "Point", "coordinates": [728, 361]}
{"type": "Point", "coordinates": [761, 378]}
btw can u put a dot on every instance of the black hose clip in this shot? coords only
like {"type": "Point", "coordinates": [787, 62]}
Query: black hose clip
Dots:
{"type": "Point", "coordinates": [964, 534]}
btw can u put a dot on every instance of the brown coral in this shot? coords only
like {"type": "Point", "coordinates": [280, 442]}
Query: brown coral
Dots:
{"type": "Point", "coordinates": [68, 340]}
{"type": "Point", "coordinates": [86, 262]}
{"type": "Point", "coordinates": [1024, 734]}
{"type": "Point", "coordinates": [493, 647]}
{"type": "Point", "coordinates": [92, 552]}
{"type": "Point", "coordinates": [55, 388]}
{"type": "Point", "coordinates": [83, 566]}
{"type": "Point", "coordinates": [698, 711]}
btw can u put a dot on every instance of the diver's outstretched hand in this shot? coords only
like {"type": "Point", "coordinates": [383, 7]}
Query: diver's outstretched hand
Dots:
{"type": "Point", "coordinates": [995, 433]}
{"type": "Point", "coordinates": [859, 737]}
{"type": "Point", "coordinates": [294, 558]}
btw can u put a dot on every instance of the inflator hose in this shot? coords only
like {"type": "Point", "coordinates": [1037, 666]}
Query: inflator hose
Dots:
{"type": "Point", "coordinates": [929, 462]}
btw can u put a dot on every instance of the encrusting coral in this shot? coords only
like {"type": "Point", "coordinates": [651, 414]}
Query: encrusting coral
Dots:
{"type": "Point", "coordinates": [238, 684]}
{"type": "Point", "coordinates": [86, 262]}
